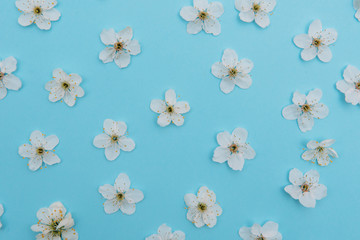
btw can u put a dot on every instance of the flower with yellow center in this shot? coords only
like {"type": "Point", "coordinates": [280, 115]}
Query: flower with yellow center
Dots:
{"type": "Point", "coordinates": [258, 10]}
{"type": "Point", "coordinates": [350, 85]}
{"type": "Point", "coordinates": [8, 81]}
{"type": "Point", "coordinates": [320, 152]}
{"type": "Point", "coordinates": [269, 231]}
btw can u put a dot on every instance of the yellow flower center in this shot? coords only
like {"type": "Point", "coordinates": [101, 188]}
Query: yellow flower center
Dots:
{"type": "Point", "coordinates": [120, 196]}
{"type": "Point", "coordinates": [233, 72]}
{"type": "Point", "coordinates": [114, 138]}
{"type": "Point", "coordinates": [256, 7]}
{"type": "Point", "coordinates": [316, 42]}
{"type": "Point", "coordinates": [37, 10]}
{"type": "Point", "coordinates": [40, 151]}
{"type": "Point", "coordinates": [357, 85]}
{"type": "Point", "coordinates": [203, 15]}
{"type": "Point", "coordinates": [234, 148]}
{"type": "Point", "coordinates": [306, 108]}
{"type": "Point", "coordinates": [170, 109]}
{"type": "Point", "coordinates": [65, 85]}
{"type": "Point", "coordinates": [118, 46]}
{"type": "Point", "coordinates": [202, 207]}
{"type": "Point", "coordinates": [305, 187]}
{"type": "Point", "coordinates": [320, 149]}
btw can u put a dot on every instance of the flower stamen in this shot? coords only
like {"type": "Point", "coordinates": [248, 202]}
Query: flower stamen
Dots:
{"type": "Point", "coordinates": [320, 149]}
{"type": "Point", "coordinates": [2, 75]}
{"type": "Point", "coordinates": [118, 46]}
{"type": "Point", "coordinates": [256, 7]}
{"type": "Point", "coordinates": [233, 72]}
{"type": "Point", "coordinates": [120, 196]}
{"type": "Point", "coordinates": [65, 85]}
{"type": "Point", "coordinates": [234, 148]}
{"type": "Point", "coordinates": [37, 10]}
{"type": "Point", "coordinates": [202, 207]}
{"type": "Point", "coordinates": [316, 42]}
{"type": "Point", "coordinates": [40, 151]}
{"type": "Point", "coordinates": [357, 85]}
{"type": "Point", "coordinates": [306, 108]}
{"type": "Point", "coordinates": [114, 138]}
{"type": "Point", "coordinates": [305, 187]}
{"type": "Point", "coordinates": [203, 15]}
{"type": "Point", "coordinates": [261, 237]}
{"type": "Point", "coordinates": [170, 109]}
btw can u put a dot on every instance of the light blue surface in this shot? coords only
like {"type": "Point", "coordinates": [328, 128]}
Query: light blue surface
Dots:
{"type": "Point", "coordinates": [170, 162]}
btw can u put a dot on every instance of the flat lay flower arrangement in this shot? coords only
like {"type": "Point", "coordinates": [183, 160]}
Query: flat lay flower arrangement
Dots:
{"type": "Point", "coordinates": [175, 120]}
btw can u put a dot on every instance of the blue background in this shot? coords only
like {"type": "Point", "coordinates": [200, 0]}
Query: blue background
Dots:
{"type": "Point", "coordinates": [170, 162]}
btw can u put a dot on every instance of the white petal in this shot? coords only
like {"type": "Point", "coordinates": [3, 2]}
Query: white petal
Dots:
{"type": "Point", "coordinates": [47, 4]}
{"type": "Point", "coordinates": [102, 141]}
{"type": "Point", "coordinates": [122, 59]}
{"type": "Point", "coordinates": [268, 5]}
{"type": "Point", "coordinates": [75, 79]}
{"type": "Point", "coordinates": [262, 19]}
{"type": "Point", "coordinates": [158, 106]}
{"type": "Point", "coordinates": [221, 154]}
{"type": "Point", "coordinates": [111, 127]}
{"type": "Point", "coordinates": [170, 97]}
{"type": "Point", "coordinates": [314, 96]}
{"type": "Point", "coordinates": [315, 28]}
{"type": "Point", "coordinates": [236, 162]}
{"type": "Point", "coordinates": [224, 139]}
{"type": "Point", "coordinates": [112, 152]}
{"type": "Point", "coordinates": [69, 99]}
{"type": "Point", "coordinates": [351, 74]}
{"type": "Point", "coordinates": [43, 23]}
{"type": "Point", "coordinates": [247, 151]}
{"type": "Point", "coordinates": [256, 229]}
{"type": "Point", "coordinates": [52, 14]}
{"type": "Point", "coordinates": [35, 163]}
{"type": "Point", "coordinates": [323, 159]}
{"type": "Point", "coordinates": [51, 158]}
{"type": "Point", "coordinates": [37, 139]}
{"type": "Point", "coordinates": [245, 65]}
{"type": "Point", "coordinates": [270, 229]}
{"type": "Point", "coordinates": [291, 112]}
{"type": "Point", "coordinates": [357, 15]}
{"type": "Point", "coordinates": [209, 218]}
{"type": "Point", "coordinates": [303, 41]}
{"type": "Point", "coordinates": [212, 25]}
{"type": "Point", "coordinates": [107, 191]}
{"type": "Point", "coordinates": [122, 182]}
{"type": "Point", "coordinates": [343, 86]}
{"type": "Point", "coordinates": [178, 235]}
{"type": "Point", "coordinates": [328, 36]}
{"type": "Point", "coordinates": [332, 152]}
{"type": "Point", "coordinates": [27, 151]}
{"type": "Point", "coordinates": [24, 5]}
{"type": "Point", "coordinates": [164, 119]}
{"type": "Point", "coordinates": [70, 234]}
{"type": "Point", "coordinates": [219, 70]}
{"type": "Point", "coordinates": [51, 142]}
{"type": "Point", "coordinates": [227, 85]}
{"type": "Point", "coordinates": [182, 107]}
{"type": "Point", "coordinates": [121, 128]}
{"type": "Point", "coordinates": [8, 65]}
{"type": "Point", "coordinates": [189, 13]}
{"type": "Point", "coordinates": [190, 200]}
{"type": "Point", "coordinates": [215, 9]}
{"type": "Point", "coordinates": [107, 55]}
{"type": "Point", "coordinates": [26, 19]}
{"type": "Point", "coordinates": [134, 196]}
{"type": "Point", "coordinates": [248, 16]}
{"type": "Point", "coordinates": [206, 196]}
{"type": "Point", "coordinates": [294, 191]}
{"type": "Point", "coordinates": [177, 119]}
{"type": "Point", "coordinates": [108, 36]}
{"type": "Point", "coordinates": [125, 35]}
{"type": "Point", "coordinates": [319, 191]}
{"type": "Point", "coordinates": [320, 111]}
{"type": "Point", "coordinates": [3, 92]}
{"type": "Point", "coordinates": [305, 122]}
{"type": "Point", "coordinates": [352, 96]}
{"type": "Point", "coordinates": [324, 53]}
{"type": "Point", "coordinates": [194, 27]}
{"type": "Point", "coordinates": [307, 200]}
{"type": "Point", "coordinates": [312, 144]}
{"type": "Point", "coordinates": [296, 177]}
{"type": "Point", "coordinates": [126, 144]}
{"type": "Point", "coordinates": [1, 210]}
{"type": "Point", "coordinates": [245, 233]}
{"type": "Point", "coordinates": [127, 208]}
{"type": "Point", "coordinates": [327, 142]}
{"type": "Point", "coordinates": [111, 206]}
{"type": "Point", "coordinates": [239, 135]}
{"type": "Point", "coordinates": [298, 98]}
{"type": "Point", "coordinates": [133, 47]}
{"type": "Point", "coordinates": [201, 4]}
{"type": "Point", "coordinates": [308, 53]}
{"type": "Point", "coordinates": [312, 176]}
{"type": "Point", "coordinates": [243, 81]}
{"type": "Point", "coordinates": [309, 155]}
{"type": "Point", "coordinates": [230, 58]}
{"type": "Point", "coordinates": [164, 231]}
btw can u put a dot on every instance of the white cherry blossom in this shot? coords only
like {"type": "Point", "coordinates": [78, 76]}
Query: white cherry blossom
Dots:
{"type": "Point", "coordinates": [41, 150]}
{"type": "Point", "coordinates": [40, 12]}
{"type": "Point", "coordinates": [2, 212]}
{"type": "Point", "coordinates": [119, 46]}
{"type": "Point", "coordinates": [233, 72]}
{"type": "Point", "coordinates": [257, 10]}
{"type": "Point", "coordinates": [55, 224]}
{"type": "Point", "coordinates": [233, 149]}
{"type": "Point", "coordinates": [316, 42]}
{"type": "Point", "coordinates": [320, 151]}
{"type": "Point", "coordinates": [113, 139]}
{"type": "Point", "coordinates": [305, 109]}
{"type": "Point", "coordinates": [203, 15]}
{"type": "Point", "coordinates": [306, 188]}
{"type": "Point", "coordinates": [350, 86]}
{"type": "Point", "coordinates": [165, 233]}
{"type": "Point", "coordinates": [7, 79]}
{"type": "Point", "coordinates": [356, 4]}
{"type": "Point", "coordinates": [202, 209]}
{"type": "Point", "coordinates": [64, 87]}
{"type": "Point", "coordinates": [170, 110]}
{"type": "Point", "coordinates": [269, 231]}
{"type": "Point", "coordinates": [120, 196]}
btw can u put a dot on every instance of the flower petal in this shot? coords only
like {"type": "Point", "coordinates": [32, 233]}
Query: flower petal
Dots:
{"type": "Point", "coordinates": [351, 74]}
{"type": "Point", "coordinates": [315, 28]}
{"type": "Point", "coordinates": [133, 47]}
{"type": "Point", "coordinates": [314, 96]}
{"type": "Point", "coordinates": [320, 111]}
{"type": "Point", "coordinates": [52, 14]}
{"type": "Point", "coordinates": [236, 162]}
{"type": "Point", "coordinates": [107, 191]}
{"type": "Point", "coordinates": [270, 229]}
{"type": "Point", "coordinates": [158, 106]}
{"type": "Point", "coordinates": [215, 9]}
{"type": "Point", "coordinates": [305, 122]}
{"type": "Point", "coordinates": [221, 154]}
{"type": "Point", "coordinates": [170, 97]}
{"type": "Point", "coordinates": [27, 151]}
{"type": "Point", "coordinates": [230, 58]}
{"type": "Point", "coordinates": [35, 163]}
{"type": "Point", "coordinates": [327, 142]}
{"type": "Point", "coordinates": [298, 98]}
{"type": "Point", "coordinates": [189, 13]}
{"type": "Point", "coordinates": [247, 151]}
{"type": "Point", "coordinates": [294, 191]}
{"type": "Point", "coordinates": [102, 141]}
{"type": "Point", "coordinates": [107, 55]}
{"type": "Point", "coordinates": [134, 196]}
{"type": "Point", "coordinates": [37, 139]}
{"type": "Point", "coordinates": [245, 65]}
{"type": "Point", "coordinates": [219, 70]}
{"type": "Point", "coordinates": [319, 191]}
{"type": "Point", "coordinates": [164, 119]}
{"type": "Point", "coordinates": [51, 142]}
{"type": "Point", "coordinates": [108, 36]}
{"type": "Point", "coordinates": [3, 92]}
{"type": "Point", "coordinates": [112, 152]}
{"type": "Point", "coordinates": [194, 27]}
{"type": "Point", "coordinates": [227, 85]}
{"type": "Point", "coordinates": [111, 206]}
{"type": "Point", "coordinates": [309, 155]}
{"type": "Point", "coordinates": [125, 35]}
{"type": "Point", "coordinates": [312, 176]}
{"type": "Point", "coordinates": [190, 200]}
{"type": "Point", "coordinates": [50, 158]}
{"type": "Point", "coordinates": [122, 59]}
{"type": "Point", "coordinates": [126, 144]}
{"type": "Point", "coordinates": [248, 16]}
{"type": "Point", "coordinates": [224, 139]}
{"type": "Point", "coordinates": [343, 86]}
{"type": "Point", "coordinates": [262, 19]}
{"type": "Point", "coordinates": [296, 177]}
{"type": "Point", "coordinates": [201, 4]}
{"type": "Point", "coordinates": [212, 25]}
{"type": "Point", "coordinates": [291, 112]}
{"type": "Point", "coordinates": [122, 183]}
{"type": "Point", "coordinates": [43, 23]}
{"type": "Point", "coordinates": [26, 19]}
{"type": "Point", "coordinates": [8, 65]}
{"type": "Point", "coordinates": [127, 208]}
{"type": "Point", "coordinates": [177, 119]}
{"type": "Point", "coordinates": [307, 200]}
{"type": "Point", "coordinates": [324, 53]}
{"type": "Point", "coordinates": [239, 135]}
{"type": "Point", "coordinates": [328, 36]}
{"type": "Point", "coordinates": [303, 41]}
{"type": "Point", "coordinates": [182, 107]}
{"type": "Point", "coordinates": [243, 81]}
{"type": "Point", "coordinates": [308, 53]}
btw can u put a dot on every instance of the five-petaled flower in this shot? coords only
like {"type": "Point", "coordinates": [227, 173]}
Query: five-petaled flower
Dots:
{"type": "Point", "coordinates": [170, 110]}
{"type": "Point", "coordinates": [113, 139]}
{"type": "Point", "coordinates": [40, 150]}
{"type": "Point", "coordinates": [202, 209]}
{"type": "Point", "coordinates": [55, 224]}
{"type": "Point", "coordinates": [165, 233]}
{"type": "Point", "coordinates": [305, 109]}
{"type": "Point", "coordinates": [1, 213]}
{"type": "Point", "coordinates": [7, 79]}
{"type": "Point", "coordinates": [306, 188]}
{"type": "Point", "coordinates": [232, 72]}
{"type": "Point", "coordinates": [350, 86]}
{"type": "Point", "coordinates": [233, 149]}
{"type": "Point", "coordinates": [119, 46]}
{"type": "Point", "coordinates": [41, 12]}
{"type": "Point", "coordinates": [320, 151]}
{"type": "Point", "coordinates": [203, 16]}
{"type": "Point", "coordinates": [257, 10]}
{"type": "Point", "coordinates": [316, 42]}
{"type": "Point", "coordinates": [66, 87]}
{"type": "Point", "coordinates": [120, 196]}
{"type": "Point", "coordinates": [269, 231]}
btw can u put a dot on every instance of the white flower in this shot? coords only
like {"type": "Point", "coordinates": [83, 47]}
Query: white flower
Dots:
{"type": "Point", "coordinates": [120, 46]}
{"type": "Point", "coordinates": [40, 150]}
{"type": "Point", "coordinates": [305, 109]}
{"type": "Point", "coordinates": [257, 10]}
{"type": "Point", "coordinates": [269, 231]}
{"type": "Point", "coordinates": [233, 149]}
{"type": "Point", "coordinates": [7, 79]}
{"type": "Point", "coordinates": [306, 188]}
{"type": "Point", "coordinates": [316, 42]}
{"type": "Point", "coordinates": [350, 86]}
{"type": "Point", "coordinates": [120, 196]}
{"type": "Point", "coordinates": [232, 71]}
{"type": "Point", "coordinates": [113, 139]}
{"type": "Point", "coordinates": [66, 87]}
{"type": "Point", "coordinates": [320, 152]}
{"type": "Point", "coordinates": [2, 212]}
{"type": "Point", "coordinates": [203, 16]}
{"type": "Point", "coordinates": [170, 110]}
{"type": "Point", "coordinates": [202, 209]}
{"type": "Point", "coordinates": [41, 12]}
{"type": "Point", "coordinates": [165, 233]}
{"type": "Point", "coordinates": [356, 4]}
{"type": "Point", "coordinates": [55, 224]}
